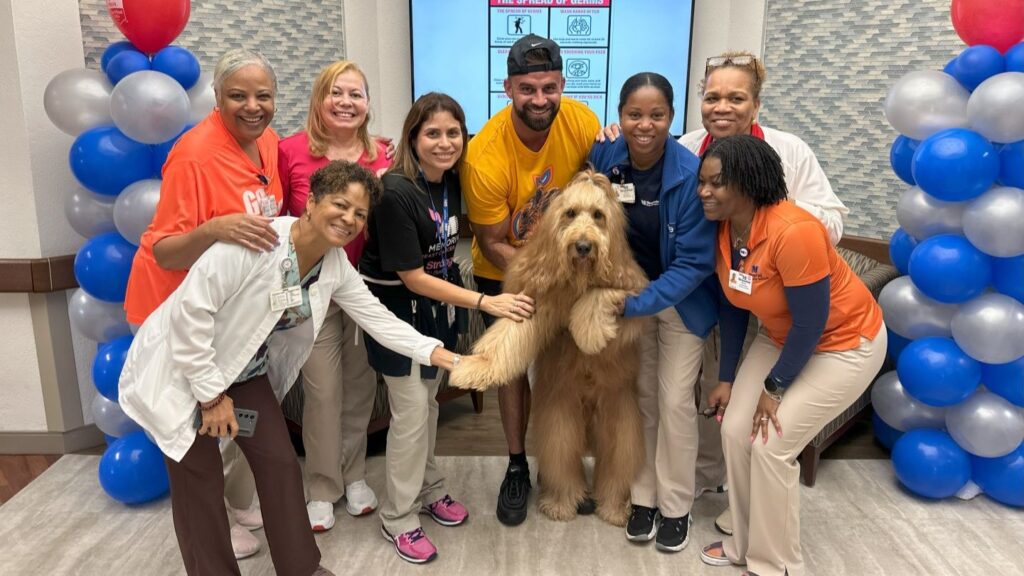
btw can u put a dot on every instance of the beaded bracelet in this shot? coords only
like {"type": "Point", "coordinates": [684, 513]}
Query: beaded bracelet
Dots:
{"type": "Point", "coordinates": [216, 401]}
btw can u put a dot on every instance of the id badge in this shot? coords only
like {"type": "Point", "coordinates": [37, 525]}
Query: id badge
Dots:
{"type": "Point", "coordinates": [285, 298]}
{"type": "Point", "coordinates": [740, 281]}
{"type": "Point", "coordinates": [269, 206]}
{"type": "Point", "coordinates": [626, 193]}
{"type": "Point", "coordinates": [451, 315]}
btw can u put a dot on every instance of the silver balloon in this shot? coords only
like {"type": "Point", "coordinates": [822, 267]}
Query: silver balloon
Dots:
{"type": "Point", "coordinates": [911, 314]}
{"type": "Point", "coordinates": [78, 99]}
{"type": "Point", "coordinates": [201, 98]}
{"type": "Point", "coordinates": [990, 328]}
{"type": "Point", "coordinates": [922, 215]}
{"type": "Point", "coordinates": [110, 419]}
{"type": "Point", "coordinates": [994, 222]}
{"type": "Point", "coordinates": [134, 208]}
{"type": "Point", "coordinates": [150, 107]}
{"type": "Point", "coordinates": [95, 319]}
{"type": "Point", "coordinates": [899, 409]}
{"type": "Point", "coordinates": [986, 425]}
{"type": "Point", "coordinates": [994, 108]}
{"type": "Point", "coordinates": [925, 102]}
{"type": "Point", "coordinates": [89, 213]}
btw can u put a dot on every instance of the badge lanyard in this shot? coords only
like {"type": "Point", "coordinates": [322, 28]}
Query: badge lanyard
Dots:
{"type": "Point", "coordinates": [286, 297]}
{"type": "Point", "coordinates": [441, 227]}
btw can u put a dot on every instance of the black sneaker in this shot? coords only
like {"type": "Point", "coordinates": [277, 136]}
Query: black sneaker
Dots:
{"type": "Point", "coordinates": [673, 534]}
{"type": "Point", "coordinates": [514, 495]}
{"type": "Point", "coordinates": [643, 524]}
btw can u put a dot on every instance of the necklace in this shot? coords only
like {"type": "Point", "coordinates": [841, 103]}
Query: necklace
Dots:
{"type": "Point", "coordinates": [740, 239]}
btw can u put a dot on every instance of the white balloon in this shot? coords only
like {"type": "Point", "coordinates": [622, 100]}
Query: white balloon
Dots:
{"type": "Point", "coordinates": [899, 409]}
{"type": "Point", "coordinates": [986, 425]}
{"type": "Point", "coordinates": [924, 102]}
{"type": "Point", "coordinates": [77, 100]}
{"type": "Point", "coordinates": [990, 328]}
{"type": "Point", "coordinates": [110, 419]}
{"type": "Point", "coordinates": [922, 215]}
{"type": "Point", "coordinates": [994, 222]}
{"type": "Point", "coordinates": [134, 208]}
{"type": "Point", "coordinates": [202, 98]}
{"type": "Point", "coordinates": [89, 213]}
{"type": "Point", "coordinates": [994, 109]}
{"type": "Point", "coordinates": [911, 314]}
{"type": "Point", "coordinates": [96, 319]}
{"type": "Point", "coordinates": [150, 107]}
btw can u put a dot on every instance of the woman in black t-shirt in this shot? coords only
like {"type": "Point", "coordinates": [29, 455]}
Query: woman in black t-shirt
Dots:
{"type": "Point", "coordinates": [409, 264]}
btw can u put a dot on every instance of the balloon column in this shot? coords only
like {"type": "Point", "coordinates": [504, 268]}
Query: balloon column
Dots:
{"type": "Point", "coordinates": [953, 410]}
{"type": "Point", "coordinates": [125, 119]}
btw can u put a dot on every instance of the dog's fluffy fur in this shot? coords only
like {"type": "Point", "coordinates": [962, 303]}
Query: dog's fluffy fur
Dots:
{"type": "Point", "coordinates": [577, 266]}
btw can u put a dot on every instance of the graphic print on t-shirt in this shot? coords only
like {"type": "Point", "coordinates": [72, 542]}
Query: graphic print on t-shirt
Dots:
{"type": "Point", "coordinates": [439, 256]}
{"type": "Point", "coordinates": [526, 218]}
{"type": "Point", "coordinates": [259, 202]}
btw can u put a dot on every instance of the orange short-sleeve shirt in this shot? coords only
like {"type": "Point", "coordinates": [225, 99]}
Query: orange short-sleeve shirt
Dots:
{"type": "Point", "coordinates": [206, 175]}
{"type": "Point", "coordinates": [790, 247]}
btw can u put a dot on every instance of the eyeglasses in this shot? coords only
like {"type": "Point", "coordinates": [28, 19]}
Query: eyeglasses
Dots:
{"type": "Point", "coordinates": [742, 61]}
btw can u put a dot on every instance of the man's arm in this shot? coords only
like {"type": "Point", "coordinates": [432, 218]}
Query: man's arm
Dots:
{"type": "Point", "coordinates": [493, 242]}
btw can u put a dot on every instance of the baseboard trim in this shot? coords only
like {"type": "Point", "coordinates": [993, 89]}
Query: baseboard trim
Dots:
{"type": "Point", "coordinates": [51, 442]}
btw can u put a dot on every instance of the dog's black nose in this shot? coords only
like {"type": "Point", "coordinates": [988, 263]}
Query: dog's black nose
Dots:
{"type": "Point", "coordinates": [582, 247]}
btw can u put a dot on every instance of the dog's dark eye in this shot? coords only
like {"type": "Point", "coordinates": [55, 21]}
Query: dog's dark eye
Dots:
{"type": "Point", "coordinates": [570, 213]}
{"type": "Point", "coordinates": [598, 215]}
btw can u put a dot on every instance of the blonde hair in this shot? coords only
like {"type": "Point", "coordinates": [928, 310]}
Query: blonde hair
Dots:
{"type": "Point", "coordinates": [755, 68]}
{"type": "Point", "coordinates": [316, 129]}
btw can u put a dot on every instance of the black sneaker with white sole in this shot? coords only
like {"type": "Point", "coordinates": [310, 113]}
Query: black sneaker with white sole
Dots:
{"type": "Point", "coordinates": [643, 524]}
{"type": "Point", "coordinates": [673, 534]}
{"type": "Point", "coordinates": [514, 495]}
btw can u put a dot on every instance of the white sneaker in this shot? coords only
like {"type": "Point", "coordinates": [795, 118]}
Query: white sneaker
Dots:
{"type": "Point", "coordinates": [321, 515]}
{"type": "Point", "coordinates": [243, 543]}
{"type": "Point", "coordinates": [250, 518]}
{"type": "Point", "coordinates": [360, 499]}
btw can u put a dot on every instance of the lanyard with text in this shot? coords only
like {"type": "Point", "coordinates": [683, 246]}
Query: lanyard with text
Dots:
{"type": "Point", "coordinates": [442, 226]}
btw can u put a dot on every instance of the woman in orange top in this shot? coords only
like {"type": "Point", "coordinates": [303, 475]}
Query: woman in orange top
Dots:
{"type": "Point", "coordinates": [220, 182]}
{"type": "Point", "coordinates": [821, 342]}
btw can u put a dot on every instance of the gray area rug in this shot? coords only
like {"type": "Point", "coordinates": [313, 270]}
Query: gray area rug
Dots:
{"type": "Point", "coordinates": [856, 521]}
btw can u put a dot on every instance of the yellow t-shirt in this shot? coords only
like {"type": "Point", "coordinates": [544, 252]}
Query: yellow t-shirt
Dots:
{"type": "Point", "coordinates": [503, 179]}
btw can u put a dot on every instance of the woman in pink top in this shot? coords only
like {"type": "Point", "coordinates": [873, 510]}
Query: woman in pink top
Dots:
{"type": "Point", "coordinates": [338, 383]}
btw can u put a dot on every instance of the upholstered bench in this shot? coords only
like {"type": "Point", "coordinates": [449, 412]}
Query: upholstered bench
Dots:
{"type": "Point", "coordinates": [875, 276]}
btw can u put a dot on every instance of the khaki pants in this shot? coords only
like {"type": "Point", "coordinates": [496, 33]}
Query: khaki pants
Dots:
{"type": "Point", "coordinates": [412, 477]}
{"type": "Point", "coordinates": [764, 478]}
{"type": "Point", "coordinates": [339, 388]}
{"type": "Point", "coordinates": [670, 357]}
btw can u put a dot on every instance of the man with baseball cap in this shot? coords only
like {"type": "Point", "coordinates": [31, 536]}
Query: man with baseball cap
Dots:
{"type": "Point", "coordinates": [511, 169]}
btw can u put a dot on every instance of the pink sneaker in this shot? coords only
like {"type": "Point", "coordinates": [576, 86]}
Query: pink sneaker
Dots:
{"type": "Point", "coordinates": [412, 546]}
{"type": "Point", "coordinates": [446, 512]}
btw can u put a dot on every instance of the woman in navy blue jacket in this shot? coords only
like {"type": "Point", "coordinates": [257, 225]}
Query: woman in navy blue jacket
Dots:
{"type": "Point", "coordinates": [655, 178]}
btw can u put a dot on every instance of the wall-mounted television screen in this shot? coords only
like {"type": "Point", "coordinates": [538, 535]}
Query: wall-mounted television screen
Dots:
{"type": "Point", "coordinates": [460, 47]}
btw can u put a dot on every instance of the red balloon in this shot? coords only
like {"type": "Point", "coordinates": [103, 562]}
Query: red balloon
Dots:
{"type": "Point", "coordinates": [150, 24]}
{"type": "Point", "coordinates": [998, 23]}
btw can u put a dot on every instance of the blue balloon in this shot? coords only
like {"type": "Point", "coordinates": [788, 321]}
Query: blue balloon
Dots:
{"type": "Point", "coordinates": [178, 63]}
{"type": "Point", "coordinates": [1008, 276]}
{"type": "Point", "coordinates": [110, 439]}
{"type": "Point", "coordinates": [115, 49]}
{"type": "Point", "coordinates": [937, 372]}
{"type": "Point", "coordinates": [1007, 380]}
{"type": "Point", "coordinates": [104, 160]}
{"type": "Point", "coordinates": [948, 68]}
{"type": "Point", "coordinates": [125, 63]}
{"type": "Point", "coordinates": [948, 268]}
{"type": "Point", "coordinates": [886, 435]}
{"type": "Point", "coordinates": [162, 150]}
{"type": "Point", "coordinates": [1014, 58]}
{"type": "Point", "coordinates": [929, 463]}
{"type": "Point", "coordinates": [102, 266]}
{"type": "Point", "coordinates": [1001, 478]}
{"type": "Point", "coordinates": [976, 64]}
{"type": "Point", "coordinates": [901, 156]}
{"type": "Point", "coordinates": [901, 245]}
{"type": "Point", "coordinates": [132, 470]}
{"type": "Point", "coordinates": [955, 165]}
{"type": "Point", "coordinates": [106, 367]}
{"type": "Point", "coordinates": [1011, 164]}
{"type": "Point", "coordinates": [896, 345]}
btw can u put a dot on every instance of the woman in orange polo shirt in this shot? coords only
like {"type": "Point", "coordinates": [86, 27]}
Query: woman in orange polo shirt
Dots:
{"type": "Point", "coordinates": [220, 183]}
{"type": "Point", "coordinates": [821, 342]}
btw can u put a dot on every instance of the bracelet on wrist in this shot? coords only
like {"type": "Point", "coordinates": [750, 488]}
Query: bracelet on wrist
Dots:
{"type": "Point", "coordinates": [480, 300]}
{"type": "Point", "coordinates": [212, 403]}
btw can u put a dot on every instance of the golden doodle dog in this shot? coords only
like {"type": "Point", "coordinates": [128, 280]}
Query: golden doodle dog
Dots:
{"type": "Point", "coordinates": [577, 266]}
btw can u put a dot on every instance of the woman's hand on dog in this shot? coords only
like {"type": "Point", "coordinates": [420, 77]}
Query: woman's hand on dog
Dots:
{"type": "Point", "coordinates": [515, 307]}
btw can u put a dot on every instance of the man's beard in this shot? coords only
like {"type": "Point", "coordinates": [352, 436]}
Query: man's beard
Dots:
{"type": "Point", "coordinates": [537, 123]}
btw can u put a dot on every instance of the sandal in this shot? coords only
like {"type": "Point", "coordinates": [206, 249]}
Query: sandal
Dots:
{"type": "Point", "coordinates": [714, 555]}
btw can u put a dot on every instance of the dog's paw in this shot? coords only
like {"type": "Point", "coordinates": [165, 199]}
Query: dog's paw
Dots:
{"type": "Point", "coordinates": [562, 511]}
{"type": "Point", "coordinates": [593, 321]}
{"type": "Point", "coordinates": [614, 513]}
{"type": "Point", "coordinates": [472, 373]}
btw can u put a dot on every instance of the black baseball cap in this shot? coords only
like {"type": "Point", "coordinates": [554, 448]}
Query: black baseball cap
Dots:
{"type": "Point", "coordinates": [517, 55]}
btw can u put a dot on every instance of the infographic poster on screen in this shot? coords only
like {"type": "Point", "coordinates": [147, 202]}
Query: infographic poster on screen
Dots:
{"type": "Point", "coordinates": [460, 47]}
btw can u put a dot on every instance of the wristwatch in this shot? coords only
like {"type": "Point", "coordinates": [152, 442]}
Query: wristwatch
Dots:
{"type": "Point", "coordinates": [773, 387]}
